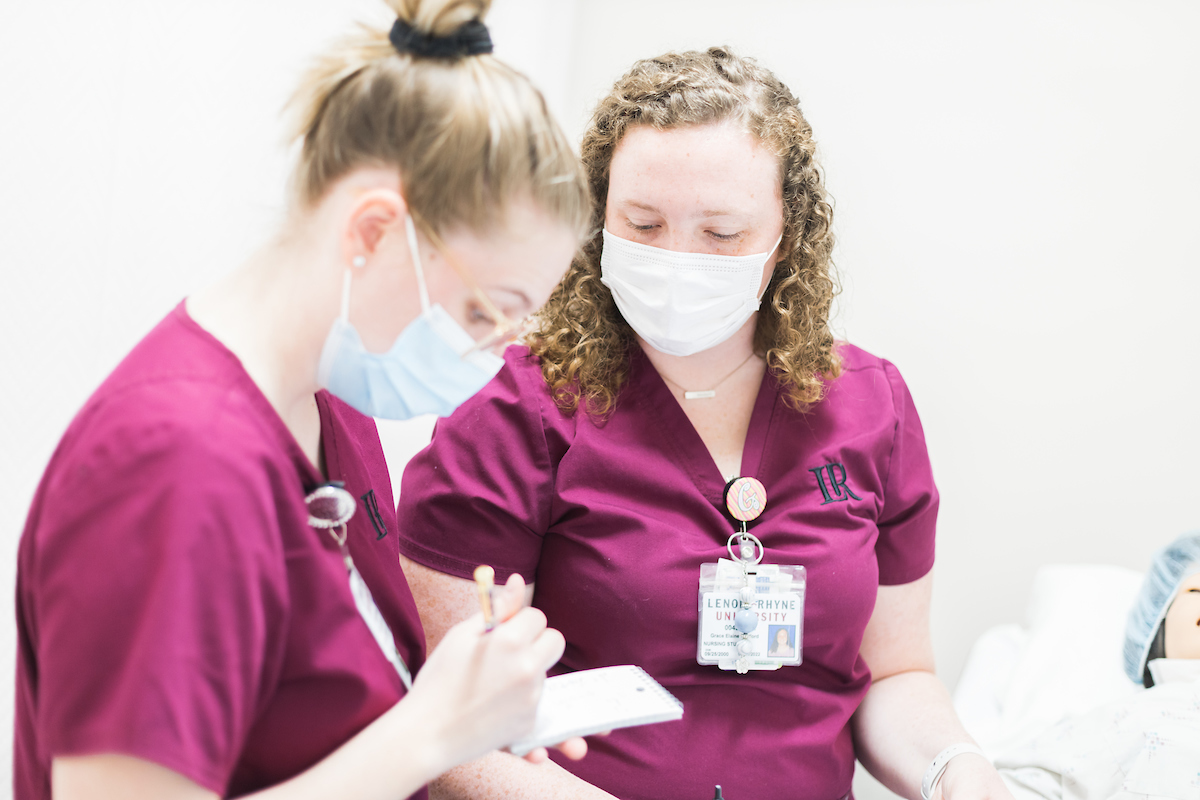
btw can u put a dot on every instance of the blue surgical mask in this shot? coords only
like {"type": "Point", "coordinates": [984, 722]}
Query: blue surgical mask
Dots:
{"type": "Point", "coordinates": [432, 368]}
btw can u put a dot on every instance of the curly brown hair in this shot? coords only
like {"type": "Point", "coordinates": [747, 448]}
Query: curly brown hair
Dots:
{"type": "Point", "coordinates": [582, 339]}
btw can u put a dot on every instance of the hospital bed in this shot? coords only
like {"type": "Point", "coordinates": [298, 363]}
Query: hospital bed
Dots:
{"type": "Point", "coordinates": [1063, 661]}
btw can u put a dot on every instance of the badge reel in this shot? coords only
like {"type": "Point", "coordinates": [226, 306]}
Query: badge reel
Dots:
{"type": "Point", "coordinates": [751, 614]}
{"type": "Point", "coordinates": [330, 508]}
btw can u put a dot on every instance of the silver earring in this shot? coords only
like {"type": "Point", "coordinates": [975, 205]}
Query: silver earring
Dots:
{"type": "Point", "coordinates": [359, 261]}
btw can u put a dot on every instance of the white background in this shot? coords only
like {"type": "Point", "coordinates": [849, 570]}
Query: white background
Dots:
{"type": "Point", "coordinates": [1016, 205]}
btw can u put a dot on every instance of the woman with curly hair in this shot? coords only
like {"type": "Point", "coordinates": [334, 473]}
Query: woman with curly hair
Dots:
{"type": "Point", "coordinates": [689, 345]}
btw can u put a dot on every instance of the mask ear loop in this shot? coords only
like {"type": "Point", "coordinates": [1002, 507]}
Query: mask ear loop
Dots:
{"type": "Point", "coordinates": [346, 295]}
{"type": "Point", "coordinates": [359, 262]}
{"type": "Point", "coordinates": [778, 242]}
{"type": "Point", "coordinates": [411, 229]}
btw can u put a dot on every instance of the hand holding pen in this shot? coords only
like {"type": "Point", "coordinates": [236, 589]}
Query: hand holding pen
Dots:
{"type": "Point", "coordinates": [480, 687]}
{"type": "Point", "coordinates": [492, 607]}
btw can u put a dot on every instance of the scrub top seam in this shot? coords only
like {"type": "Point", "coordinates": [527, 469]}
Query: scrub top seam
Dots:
{"type": "Point", "coordinates": [923, 568]}
{"type": "Point", "coordinates": [887, 481]}
{"type": "Point", "coordinates": [764, 441]}
{"type": "Point", "coordinates": [546, 507]}
{"type": "Point", "coordinates": [325, 413]}
{"type": "Point", "coordinates": [675, 444]}
{"type": "Point", "coordinates": [453, 566]}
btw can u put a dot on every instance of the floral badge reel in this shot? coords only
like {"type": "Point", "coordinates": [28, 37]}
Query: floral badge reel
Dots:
{"type": "Point", "coordinates": [751, 613]}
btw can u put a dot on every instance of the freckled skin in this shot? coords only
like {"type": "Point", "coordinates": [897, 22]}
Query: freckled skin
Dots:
{"type": "Point", "coordinates": [703, 189]}
{"type": "Point", "coordinates": [1183, 621]}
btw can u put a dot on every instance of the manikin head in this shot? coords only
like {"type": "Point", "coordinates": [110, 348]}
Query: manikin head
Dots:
{"type": "Point", "coordinates": [1165, 619]}
{"type": "Point", "coordinates": [1181, 625]}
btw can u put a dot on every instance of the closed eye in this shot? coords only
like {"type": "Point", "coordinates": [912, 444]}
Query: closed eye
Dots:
{"type": "Point", "coordinates": [476, 315]}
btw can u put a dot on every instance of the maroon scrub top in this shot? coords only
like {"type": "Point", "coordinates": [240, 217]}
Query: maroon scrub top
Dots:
{"type": "Point", "coordinates": [173, 604]}
{"type": "Point", "coordinates": [613, 519]}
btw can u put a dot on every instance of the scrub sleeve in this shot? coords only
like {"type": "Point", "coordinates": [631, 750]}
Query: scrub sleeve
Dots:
{"type": "Point", "coordinates": [173, 603]}
{"type": "Point", "coordinates": [612, 518]}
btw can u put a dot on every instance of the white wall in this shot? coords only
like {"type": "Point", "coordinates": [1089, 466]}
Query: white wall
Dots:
{"type": "Point", "coordinates": [1015, 186]}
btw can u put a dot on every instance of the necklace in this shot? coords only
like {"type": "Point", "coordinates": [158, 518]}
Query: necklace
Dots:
{"type": "Point", "coordinates": [707, 393]}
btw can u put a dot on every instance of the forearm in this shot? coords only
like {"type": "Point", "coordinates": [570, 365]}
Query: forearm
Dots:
{"type": "Point", "coordinates": [502, 776]}
{"type": "Point", "coordinates": [903, 723]}
{"type": "Point", "coordinates": [388, 759]}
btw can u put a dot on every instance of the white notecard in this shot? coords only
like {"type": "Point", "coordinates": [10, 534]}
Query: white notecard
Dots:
{"type": "Point", "coordinates": [594, 700]}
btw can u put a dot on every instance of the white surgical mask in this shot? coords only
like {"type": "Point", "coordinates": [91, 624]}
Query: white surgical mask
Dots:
{"type": "Point", "coordinates": [431, 369]}
{"type": "Point", "coordinates": [681, 303]}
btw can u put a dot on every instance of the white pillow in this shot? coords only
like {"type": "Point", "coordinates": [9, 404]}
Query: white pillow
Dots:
{"type": "Point", "coordinates": [1065, 661]}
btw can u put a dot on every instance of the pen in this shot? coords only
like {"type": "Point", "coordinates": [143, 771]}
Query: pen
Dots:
{"type": "Point", "coordinates": [485, 580]}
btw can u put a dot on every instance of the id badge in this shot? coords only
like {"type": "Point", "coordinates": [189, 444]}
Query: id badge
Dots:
{"type": "Point", "coordinates": [751, 616]}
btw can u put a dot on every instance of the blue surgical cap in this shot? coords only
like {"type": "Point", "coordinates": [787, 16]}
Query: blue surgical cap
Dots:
{"type": "Point", "coordinates": [1170, 566]}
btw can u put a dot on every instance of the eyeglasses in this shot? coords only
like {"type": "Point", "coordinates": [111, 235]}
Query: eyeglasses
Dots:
{"type": "Point", "coordinates": [507, 331]}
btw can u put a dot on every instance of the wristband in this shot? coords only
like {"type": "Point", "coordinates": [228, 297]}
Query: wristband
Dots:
{"type": "Point", "coordinates": [938, 766]}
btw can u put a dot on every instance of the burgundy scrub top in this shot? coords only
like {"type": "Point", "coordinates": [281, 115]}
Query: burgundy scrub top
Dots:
{"type": "Point", "coordinates": [173, 603]}
{"type": "Point", "coordinates": [613, 519]}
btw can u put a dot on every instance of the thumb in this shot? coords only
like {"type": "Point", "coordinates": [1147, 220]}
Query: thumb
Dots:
{"type": "Point", "coordinates": [510, 599]}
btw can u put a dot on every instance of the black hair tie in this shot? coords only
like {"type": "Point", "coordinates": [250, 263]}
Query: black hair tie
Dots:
{"type": "Point", "coordinates": [471, 39]}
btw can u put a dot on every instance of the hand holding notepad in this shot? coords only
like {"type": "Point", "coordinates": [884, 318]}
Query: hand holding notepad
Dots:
{"type": "Point", "coordinates": [585, 702]}
{"type": "Point", "coordinates": [595, 700]}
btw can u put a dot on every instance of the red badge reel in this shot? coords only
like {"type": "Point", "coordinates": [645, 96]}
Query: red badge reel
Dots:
{"type": "Point", "coordinates": [751, 613]}
{"type": "Point", "coordinates": [746, 499]}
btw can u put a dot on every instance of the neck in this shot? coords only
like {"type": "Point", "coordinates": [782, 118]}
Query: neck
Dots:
{"type": "Point", "coordinates": [274, 313]}
{"type": "Point", "coordinates": [702, 370]}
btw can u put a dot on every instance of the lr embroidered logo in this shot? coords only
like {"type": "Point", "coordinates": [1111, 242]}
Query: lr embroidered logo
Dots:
{"type": "Point", "coordinates": [372, 506]}
{"type": "Point", "coordinates": [836, 490]}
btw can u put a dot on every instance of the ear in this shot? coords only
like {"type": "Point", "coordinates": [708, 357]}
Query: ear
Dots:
{"type": "Point", "coordinates": [373, 214]}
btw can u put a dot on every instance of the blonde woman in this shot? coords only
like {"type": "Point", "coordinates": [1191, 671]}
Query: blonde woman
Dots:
{"type": "Point", "coordinates": [689, 345]}
{"type": "Point", "coordinates": [193, 606]}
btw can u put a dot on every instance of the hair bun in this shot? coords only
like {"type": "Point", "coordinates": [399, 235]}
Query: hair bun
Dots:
{"type": "Point", "coordinates": [471, 39]}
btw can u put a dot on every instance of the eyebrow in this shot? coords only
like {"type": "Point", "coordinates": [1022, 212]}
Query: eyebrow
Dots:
{"type": "Point", "coordinates": [642, 206]}
{"type": "Point", "coordinates": [706, 213]}
{"type": "Point", "coordinates": [518, 293]}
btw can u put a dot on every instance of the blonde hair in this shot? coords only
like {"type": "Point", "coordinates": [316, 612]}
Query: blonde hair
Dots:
{"type": "Point", "coordinates": [583, 340]}
{"type": "Point", "coordinates": [468, 134]}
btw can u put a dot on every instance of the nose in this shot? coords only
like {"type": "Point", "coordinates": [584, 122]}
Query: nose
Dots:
{"type": "Point", "coordinates": [677, 242]}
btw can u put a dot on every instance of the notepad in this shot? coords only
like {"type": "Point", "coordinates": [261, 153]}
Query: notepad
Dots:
{"type": "Point", "coordinates": [594, 700]}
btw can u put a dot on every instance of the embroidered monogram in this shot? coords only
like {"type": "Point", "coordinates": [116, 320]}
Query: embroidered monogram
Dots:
{"type": "Point", "coordinates": [372, 506]}
{"type": "Point", "coordinates": [836, 490]}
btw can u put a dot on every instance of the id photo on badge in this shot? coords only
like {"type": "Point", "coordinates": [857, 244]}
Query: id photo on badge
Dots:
{"type": "Point", "coordinates": [782, 640]}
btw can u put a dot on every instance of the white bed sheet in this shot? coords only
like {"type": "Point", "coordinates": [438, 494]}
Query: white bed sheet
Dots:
{"type": "Point", "coordinates": [1064, 661]}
